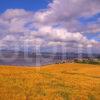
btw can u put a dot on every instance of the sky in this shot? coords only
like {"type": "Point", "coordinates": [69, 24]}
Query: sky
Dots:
{"type": "Point", "coordinates": [68, 25]}
{"type": "Point", "coordinates": [30, 5]}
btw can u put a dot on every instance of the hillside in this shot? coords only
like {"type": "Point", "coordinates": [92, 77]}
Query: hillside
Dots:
{"type": "Point", "coordinates": [52, 82]}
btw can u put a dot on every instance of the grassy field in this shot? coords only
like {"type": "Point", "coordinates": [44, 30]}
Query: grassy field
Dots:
{"type": "Point", "coordinates": [52, 82]}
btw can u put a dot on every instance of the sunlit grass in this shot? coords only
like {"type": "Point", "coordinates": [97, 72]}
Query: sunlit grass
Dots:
{"type": "Point", "coordinates": [52, 82]}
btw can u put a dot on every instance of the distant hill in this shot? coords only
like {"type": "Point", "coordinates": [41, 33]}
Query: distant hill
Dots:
{"type": "Point", "coordinates": [10, 57]}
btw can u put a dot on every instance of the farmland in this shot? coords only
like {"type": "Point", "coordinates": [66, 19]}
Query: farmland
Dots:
{"type": "Point", "coordinates": [50, 82]}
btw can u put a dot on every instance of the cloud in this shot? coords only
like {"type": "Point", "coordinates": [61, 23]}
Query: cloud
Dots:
{"type": "Point", "coordinates": [67, 12]}
{"type": "Point", "coordinates": [58, 25]}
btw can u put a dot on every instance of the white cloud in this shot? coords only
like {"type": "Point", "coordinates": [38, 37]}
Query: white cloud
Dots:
{"type": "Point", "coordinates": [55, 26]}
{"type": "Point", "coordinates": [66, 13]}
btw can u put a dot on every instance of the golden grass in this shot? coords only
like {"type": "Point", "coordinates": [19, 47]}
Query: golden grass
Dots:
{"type": "Point", "coordinates": [52, 82]}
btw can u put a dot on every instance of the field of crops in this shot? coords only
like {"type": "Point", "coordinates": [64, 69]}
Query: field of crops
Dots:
{"type": "Point", "coordinates": [52, 82]}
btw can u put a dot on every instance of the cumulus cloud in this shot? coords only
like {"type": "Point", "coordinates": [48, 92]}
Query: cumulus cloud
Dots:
{"type": "Point", "coordinates": [66, 13]}
{"type": "Point", "coordinates": [58, 25]}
